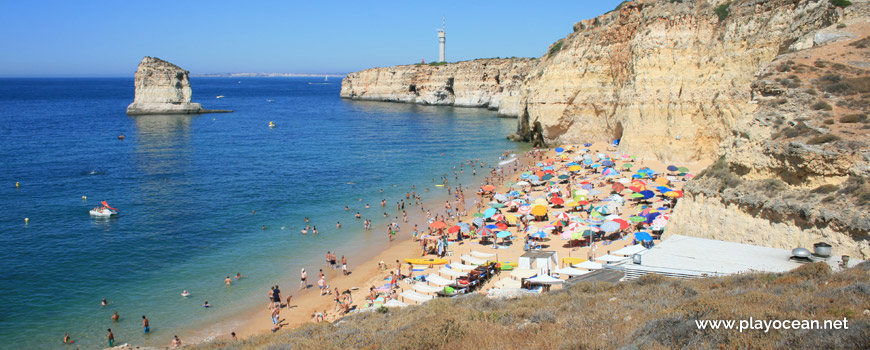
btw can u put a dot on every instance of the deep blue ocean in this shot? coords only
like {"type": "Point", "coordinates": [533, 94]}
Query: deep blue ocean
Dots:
{"type": "Point", "coordinates": [186, 187]}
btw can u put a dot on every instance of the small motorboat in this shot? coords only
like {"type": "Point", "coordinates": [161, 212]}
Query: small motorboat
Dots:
{"type": "Point", "coordinates": [219, 96]}
{"type": "Point", "coordinates": [104, 211]}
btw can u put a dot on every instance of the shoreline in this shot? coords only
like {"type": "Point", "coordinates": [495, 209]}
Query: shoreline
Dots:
{"type": "Point", "coordinates": [367, 274]}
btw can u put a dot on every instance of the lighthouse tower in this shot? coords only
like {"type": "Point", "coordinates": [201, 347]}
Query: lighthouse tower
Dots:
{"type": "Point", "coordinates": [442, 38]}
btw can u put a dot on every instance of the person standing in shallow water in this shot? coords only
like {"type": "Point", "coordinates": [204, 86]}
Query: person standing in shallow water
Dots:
{"type": "Point", "coordinates": [146, 326]}
{"type": "Point", "coordinates": [111, 337]}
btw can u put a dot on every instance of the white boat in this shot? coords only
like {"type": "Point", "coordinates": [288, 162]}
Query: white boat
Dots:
{"type": "Point", "coordinates": [219, 96]}
{"type": "Point", "coordinates": [103, 212]}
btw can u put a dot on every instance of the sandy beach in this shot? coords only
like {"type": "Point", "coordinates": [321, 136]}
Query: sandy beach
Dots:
{"type": "Point", "coordinates": [366, 273]}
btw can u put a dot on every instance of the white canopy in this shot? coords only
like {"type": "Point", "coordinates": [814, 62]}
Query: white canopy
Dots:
{"type": "Point", "coordinates": [589, 265]}
{"type": "Point", "coordinates": [422, 288]}
{"type": "Point", "coordinates": [441, 281]}
{"type": "Point", "coordinates": [523, 273]}
{"type": "Point", "coordinates": [451, 273]}
{"type": "Point", "coordinates": [544, 279]}
{"type": "Point", "coordinates": [568, 271]}
{"type": "Point", "coordinates": [472, 260]}
{"type": "Point", "coordinates": [462, 267]}
{"type": "Point", "coordinates": [610, 258]}
{"type": "Point", "coordinates": [394, 303]}
{"type": "Point", "coordinates": [420, 298]}
{"type": "Point", "coordinates": [481, 254]}
{"type": "Point", "coordinates": [629, 250]}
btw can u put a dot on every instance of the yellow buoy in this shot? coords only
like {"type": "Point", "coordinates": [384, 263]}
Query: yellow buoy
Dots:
{"type": "Point", "coordinates": [16, 184]}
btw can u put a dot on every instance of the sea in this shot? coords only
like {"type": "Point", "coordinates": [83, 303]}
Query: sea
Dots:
{"type": "Point", "coordinates": [200, 197]}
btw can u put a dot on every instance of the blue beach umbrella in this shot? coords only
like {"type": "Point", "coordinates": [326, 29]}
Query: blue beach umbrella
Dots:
{"type": "Point", "coordinates": [534, 178]}
{"type": "Point", "coordinates": [489, 213]}
{"type": "Point", "coordinates": [587, 161]}
{"type": "Point", "coordinates": [503, 234]}
{"type": "Point", "coordinates": [642, 236]}
{"type": "Point", "coordinates": [673, 168]}
{"type": "Point", "coordinates": [539, 234]}
{"type": "Point", "coordinates": [647, 194]}
{"type": "Point", "coordinates": [663, 189]}
{"type": "Point", "coordinates": [652, 216]}
{"type": "Point", "coordinates": [560, 149]}
{"type": "Point", "coordinates": [608, 163]}
{"type": "Point", "coordinates": [587, 144]}
{"type": "Point", "coordinates": [491, 227]}
{"type": "Point", "coordinates": [477, 222]}
{"type": "Point", "coordinates": [596, 165]}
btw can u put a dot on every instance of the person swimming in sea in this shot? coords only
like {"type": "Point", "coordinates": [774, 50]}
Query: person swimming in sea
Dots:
{"type": "Point", "coordinates": [206, 304]}
{"type": "Point", "coordinates": [185, 293]}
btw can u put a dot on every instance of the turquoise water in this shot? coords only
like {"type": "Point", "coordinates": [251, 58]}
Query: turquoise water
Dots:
{"type": "Point", "coordinates": [186, 186]}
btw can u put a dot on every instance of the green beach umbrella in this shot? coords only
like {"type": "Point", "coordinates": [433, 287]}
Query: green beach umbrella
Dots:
{"type": "Point", "coordinates": [636, 195]}
{"type": "Point", "coordinates": [480, 215]}
{"type": "Point", "coordinates": [683, 169]}
{"type": "Point", "coordinates": [497, 205]}
{"type": "Point", "coordinates": [627, 165]}
{"type": "Point", "coordinates": [564, 177]}
{"type": "Point", "coordinates": [637, 218]}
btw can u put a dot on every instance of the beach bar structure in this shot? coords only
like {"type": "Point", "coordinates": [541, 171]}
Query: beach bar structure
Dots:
{"type": "Point", "coordinates": [691, 257]}
{"type": "Point", "coordinates": [543, 261]}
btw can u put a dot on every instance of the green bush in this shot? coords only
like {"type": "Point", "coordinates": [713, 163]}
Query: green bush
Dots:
{"type": "Point", "coordinates": [841, 3]}
{"type": "Point", "coordinates": [555, 48]}
{"type": "Point", "coordinates": [853, 118]}
{"type": "Point", "coordinates": [821, 105]}
{"type": "Point", "coordinates": [823, 139]}
{"type": "Point", "coordinates": [723, 11]}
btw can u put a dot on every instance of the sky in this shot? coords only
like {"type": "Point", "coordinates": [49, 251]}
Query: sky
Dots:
{"type": "Point", "coordinates": [109, 38]}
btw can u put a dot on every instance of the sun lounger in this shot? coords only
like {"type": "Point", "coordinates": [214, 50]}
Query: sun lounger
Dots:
{"type": "Point", "coordinates": [420, 298]}
{"type": "Point", "coordinates": [451, 273]}
{"type": "Point", "coordinates": [422, 288]}
{"type": "Point", "coordinates": [472, 260]}
{"type": "Point", "coordinates": [482, 255]}
{"type": "Point", "coordinates": [441, 281]}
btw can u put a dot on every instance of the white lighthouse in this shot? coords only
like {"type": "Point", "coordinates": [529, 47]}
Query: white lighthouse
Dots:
{"type": "Point", "coordinates": [442, 38]}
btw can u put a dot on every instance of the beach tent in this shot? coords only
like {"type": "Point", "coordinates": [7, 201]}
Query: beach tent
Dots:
{"type": "Point", "coordinates": [544, 279]}
{"type": "Point", "coordinates": [589, 265]}
{"type": "Point", "coordinates": [541, 260]}
{"type": "Point", "coordinates": [630, 250]}
{"type": "Point", "coordinates": [568, 271]}
{"type": "Point", "coordinates": [452, 273]}
{"type": "Point", "coordinates": [441, 281]}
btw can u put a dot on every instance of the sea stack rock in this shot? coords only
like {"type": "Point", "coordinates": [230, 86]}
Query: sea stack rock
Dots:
{"type": "Point", "coordinates": [163, 88]}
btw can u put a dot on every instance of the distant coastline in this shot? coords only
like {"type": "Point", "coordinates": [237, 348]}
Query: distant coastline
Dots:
{"type": "Point", "coordinates": [265, 75]}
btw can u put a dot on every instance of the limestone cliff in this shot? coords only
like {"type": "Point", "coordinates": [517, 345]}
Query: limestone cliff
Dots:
{"type": "Point", "coordinates": [668, 78]}
{"type": "Point", "coordinates": [489, 83]}
{"type": "Point", "coordinates": [163, 88]}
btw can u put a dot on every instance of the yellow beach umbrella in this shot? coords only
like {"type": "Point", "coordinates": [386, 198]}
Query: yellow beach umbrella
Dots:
{"type": "Point", "coordinates": [571, 204]}
{"type": "Point", "coordinates": [575, 168]}
{"type": "Point", "coordinates": [661, 180]}
{"type": "Point", "coordinates": [539, 210]}
{"type": "Point", "coordinates": [541, 201]}
{"type": "Point", "coordinates": [510, 218]}
{"type": "Point", "coordinates": [673, 194]}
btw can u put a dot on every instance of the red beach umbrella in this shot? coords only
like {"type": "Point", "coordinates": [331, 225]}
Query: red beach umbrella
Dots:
{"type": "Point", "coordinates": [438, 225]}
{"type": "Point", "coordinates": [454, 229]}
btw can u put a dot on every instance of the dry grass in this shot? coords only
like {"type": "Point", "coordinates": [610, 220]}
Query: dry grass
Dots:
{"type": "Point", "coordinates": [651, 313]}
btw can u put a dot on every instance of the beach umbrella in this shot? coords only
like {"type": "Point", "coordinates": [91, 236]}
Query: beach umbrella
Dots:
{"type": "Point", "coordinates": [622, 223]}
{"type": "Point", "coordinates": [438, 225]}
{"type": "Point", "coordinates": [663, 189]}
{"type": "Point", "coordinates": [647, 194]}
{"type": "Point", "coordinates": [571, 204]}
{"type": "Point", "coordinates": [477, 222]}
{"type": "Point", "coordinates": [610, 226]}
{"type": "Point", "coordinates": [575, 168]}
{"type": "Point", "coordinates": [563, 216]}
{"type": "Point", "coordinates": [489, 213]}
{"type": "Point", "coordinates": [521, 184]}
{"type": "Point", "coordinates": [587, 144]}
{"type": "Point", "coordinates": [674, 194]}
{"type": "Point", "coordinates": [637, 219]}
{"type": "Point", "coordinates": [524, 176]}
{"type": "Point", "coordinates": [488, 188]}
{"type": "Point", "coordinates": [501, 197]}
{"type": "Point", "coordinates": [642, 236]}
{"type": "Point", "coordinates": [503, 234]}
{"type": "Point", "coordinates": [651, 217]}
{"type": "Point", "coordinates": [484, 232]}
{"type": "Point", "coordinates": [547, 177]}
{"type": "Point", "coordinates": [534, 178]}
{"type": "Point", "coordinates": [608, 163]}
{"type": "Point", "coordinates": [540, 201]}
{"type": "Point", "coordinates": [683, 169]}
{"type": "Point", "coordinates": [539, 210]}
{"type": "Point", "coordinates": [512, 204]}
{"type": "Point", "coordinates": [478, 215]}
{"type": "Point", "coordinates": [564, 177]}
{"type": "Point", "coordinates": [454, 229]}
{"type": "Point", "coordinates": [524, 209]}
{"type": "Point", "coordinates": [498, 217]}
{"type": "Point", "coordinates": [673, 168]}
{"type": "Point", "coordinates": [497, 205]}
{"type": "Point", "coordinates": [661, 180]}
{"type": "Point", "coordinates": [583, 202]}
{"type": "Point", "coordinates": [560, 149]}
{"type": "Point", "coordinates": [618, 187]}
{"type": "Point", "coordinates": [539, 234]}
{"type": "Point", "coordinates": [557, 201]}
{"type": "Point", "coordinates": [595, 166]}
{"type": "Point", "coordinates": [581, 192]}
{"type": "Point", "coordinates": [510, 218]}
{"type": "Point", "coordinates": [464, 227]}
{"type": "Point", "coordinates": [594, 192]}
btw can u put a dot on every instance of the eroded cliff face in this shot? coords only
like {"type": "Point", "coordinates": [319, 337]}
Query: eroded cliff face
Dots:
{"type": "Point", "coordinates": [162, 88]}
{"type": "Point", "coordinates": [667, 78]}
{"type": "Point", "coordinates": [488, 83]}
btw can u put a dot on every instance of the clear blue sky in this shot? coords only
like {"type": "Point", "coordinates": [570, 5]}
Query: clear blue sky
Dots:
{"type": "Point", "coordinates": [109, 38]}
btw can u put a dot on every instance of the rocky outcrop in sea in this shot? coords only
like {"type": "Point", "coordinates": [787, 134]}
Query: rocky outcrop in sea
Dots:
{"type": "Point", "coordinates": [163, 88]}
